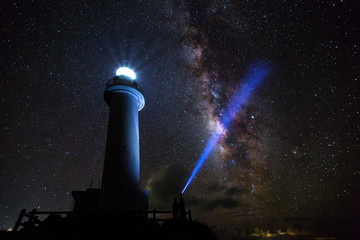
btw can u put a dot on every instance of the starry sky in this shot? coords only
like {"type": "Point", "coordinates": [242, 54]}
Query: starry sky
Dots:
{"type": "Point", "coordinates": [290, 158]}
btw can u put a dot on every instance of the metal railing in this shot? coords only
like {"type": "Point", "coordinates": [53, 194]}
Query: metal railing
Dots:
{"type": "Point", "coordinates": [33, 216]}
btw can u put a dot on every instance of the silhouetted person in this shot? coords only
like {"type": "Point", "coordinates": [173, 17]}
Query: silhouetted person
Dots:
{"type": "Point", "coordinates": [182, 208]}
{"type": "Point", "coordinates": [175, 207]}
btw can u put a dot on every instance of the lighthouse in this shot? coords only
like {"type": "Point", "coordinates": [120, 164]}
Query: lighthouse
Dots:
{"type": "Point", "coordinates": [120, 187]}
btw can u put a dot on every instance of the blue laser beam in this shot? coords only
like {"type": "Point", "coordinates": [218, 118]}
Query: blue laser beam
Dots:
{"type": "Point", "coordinates": [240, 97]}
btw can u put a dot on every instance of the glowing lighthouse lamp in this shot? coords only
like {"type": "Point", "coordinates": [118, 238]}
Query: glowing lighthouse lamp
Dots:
{"type": "Point", "coordinates": [127, 72]}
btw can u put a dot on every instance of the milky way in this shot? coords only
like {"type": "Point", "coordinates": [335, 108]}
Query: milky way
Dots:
{"type": "Point", "coordinates": [236, 103]}
{"type": "Point", "coordinates": [289, 158]}
{"type": "Point", "coordinates": [278, 156]}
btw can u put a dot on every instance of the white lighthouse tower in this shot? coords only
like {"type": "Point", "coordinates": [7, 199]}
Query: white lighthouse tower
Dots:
{"type": "Point", "coordinates": [120, 188]}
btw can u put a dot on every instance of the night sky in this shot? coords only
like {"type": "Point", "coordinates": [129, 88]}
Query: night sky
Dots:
{"type": "Point", "coordinates": [289, 160]}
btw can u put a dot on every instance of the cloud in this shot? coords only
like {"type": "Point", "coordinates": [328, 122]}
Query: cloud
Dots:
{"type": "Point", "coordinates": [233, 191]}
{"type": "Point", "coordinates": [227, 203]}
{"type": "Point", "coordinates": [166, 184]}
{"type": "Point", "coordinates": [206, 204]}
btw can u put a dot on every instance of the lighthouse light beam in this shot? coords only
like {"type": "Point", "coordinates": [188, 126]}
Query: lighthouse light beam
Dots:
{"type": "Point", "coordinates": [240, 97]}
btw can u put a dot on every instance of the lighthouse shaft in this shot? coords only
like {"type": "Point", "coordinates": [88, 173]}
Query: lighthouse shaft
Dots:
{"type": "Point", "coordinates": [122, 146]}
{"type": "Point", "coordinates": [121, 173]}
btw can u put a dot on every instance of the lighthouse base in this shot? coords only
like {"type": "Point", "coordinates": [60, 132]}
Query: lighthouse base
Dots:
{"type": "Point", "coordinates": [93, 200]}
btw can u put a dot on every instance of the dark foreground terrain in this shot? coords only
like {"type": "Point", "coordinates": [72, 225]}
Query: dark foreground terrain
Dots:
{"type": "Point", "coordinates": [109, 226]}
